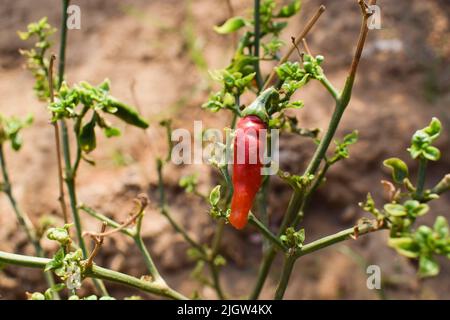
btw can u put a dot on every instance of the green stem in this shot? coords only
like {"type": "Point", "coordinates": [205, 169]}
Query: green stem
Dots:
{"type": "Point", "coordinates": [147, 257]}
{"type": "Point", "coordinates": [421, 178]}
{"type": "Point", "coordinates": [215, 246]}
{"type": "Point", "coordinates": [257, 35]}
{"type": "Point", "coordinates": [263, 272]}
{"type": "Point", "coordinates": [165, 212]}
{"type": "Point", "coordinates": [327, 241]}
{"type": "Point", "coordinates": [442, 186]}
{"type": "Point", "coordinates": [266, 232]}
{"type": "Point", "coordinates": [97, 273]}
{"type": "Point", "coordinates": [63, 43]}
{"type": "Point", "coordinates": [148, 260]}
{"type": "Point", "coordinates": [108, 221]}
{"type": "Point", "coordinates": [292, 210]}
{"type": "Point", "coordinates": [289, 262]}
{"type": "Point", "coordinates": [23, 219]}
{"type": "Point", "coordinates": [329, 86]}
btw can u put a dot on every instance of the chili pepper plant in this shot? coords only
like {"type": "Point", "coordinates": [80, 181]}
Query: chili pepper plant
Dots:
{"type": "Point", "coordinates": [82, 110]}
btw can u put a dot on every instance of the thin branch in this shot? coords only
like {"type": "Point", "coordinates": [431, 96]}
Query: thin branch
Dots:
{"type": "Point", "coordinates": [108, 221]}
{"type": "Point", "coordinates": [61, 197]}
{"type": "Point", "coordinates": [257, 36]}
{"type": "Point", "coordinates": [142, 204]}
{"type": "Point", "coordinates": [350, 233]}
{"type": "Point", "coordinates": [305, 45]}
{"type": "Point", "coordinates": [97, 273]}
{"type": "Point", "coordinates": [421, 178]}
{"type": "Point", "coordinates": [98, 243]}
{"type": "Point", "coordinates": [134, 234]}
{"type": "Point", "coordinates": [299, 38]}
{"type": "Point", "coordinates": [443, 185]}
{"type": "Point", "coordinates": [266, 232]}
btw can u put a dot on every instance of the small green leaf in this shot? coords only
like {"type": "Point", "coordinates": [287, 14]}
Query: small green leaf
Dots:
{"type": "Point", "coordinates": [399, 169]}
{"type": "Point", "coordinates": [87, 138]}
{"type": "Point", "coordinates": [434, 128]}
{"type": "Point", "coordinates": [428, 266]}
{"type": "Point", "coordinates": [231, 25]}
{"type": "Point", "coordinates": [290, 9]}
{"type": "Point", "coordinates": [214, 196]}
{"type": "Point", "coordinates": [405, 246]}
{"type": "Point", "coordinates": [111, 132]}
{"type": "Point", "coordinates": [396, 210]}
{"type": "Point", "coordinates": [432, 153]}
{"type": "Point", "coordinates": [441, 227]}
{"type": "Point", "coordinates": [127, 114]}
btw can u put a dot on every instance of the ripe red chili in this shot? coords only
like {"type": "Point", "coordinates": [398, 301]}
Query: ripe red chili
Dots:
{"type": "Point", "coordinates": [246, 168]}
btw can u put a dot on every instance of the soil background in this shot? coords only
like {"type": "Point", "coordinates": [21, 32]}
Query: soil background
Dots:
{"type": "Point", "coordinates": [156, 54]}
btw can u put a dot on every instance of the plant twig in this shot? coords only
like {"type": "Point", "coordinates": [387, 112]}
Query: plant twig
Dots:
{"type": "Point", "coordinates": [360, 229]}
{"type": "Point", "coordinates": [61, 197]}
{"type": "Point", "coordinates": [266, 232]}
{"type": "Point", "coordinates": [257, 36]}
{"type": "Point", "coordinates": [299, 38]}
{"type": "Point", "coordinates": [98, 243]}
{"type": "Point", "coordinates": [97, 273]}
{"type": "Point", "coordinates": [164, 211]}
{"type": "Point", "coordinates": [421, 178]}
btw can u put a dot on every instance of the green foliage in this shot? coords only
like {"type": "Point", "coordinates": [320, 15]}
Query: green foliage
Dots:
{"type": "Point", "coordinates": [421, 143]}
{"type": "Point", "coordinates": [424, 244]}
{"type": "Point", "coordinates": [399, 169]}
{"type": "Point", "coordinates": [189, 183]}
{"type": "Point", "coordinates": [10, 129]}
{"type": "Point", "coordinates": [231, 25]}
{"type": "Point", "coordinates": [296, 181]}
{"type": "Point", "coordinates": [60, 235]}
{"type": "Point", "coordinates": [37, 62]}
{"type": "Point", "coordinates": [214, 200]}
{"type": "Point", "coordinates": [98, 100]}
{"type": "Point", "coordinates": [341, 151]}
{"type": "Point", "coordinates": [293, 239]}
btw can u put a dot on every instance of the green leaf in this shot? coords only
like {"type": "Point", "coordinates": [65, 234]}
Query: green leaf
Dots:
{"type": "Point", "coordinates": [189, 182]}
{"type": "Point", "coordinates": [127, 114]}
{"type": "Point", "coordinates": [434, 128]}
{"type": "Point", "coordinates": [290, 9]}
{"type": "Point", "coordinates": [396, 210]}
{"type": "Point", "coordinates": [87, 138]}
{"type": "Point", "coordinates": [432, 153]}
{"type": "Point", "coordinates": [428, 266]}
{"type": "Point", "coordinates": [214, 196]}
{"type": "Point", "coordinates": [231, 25]}
{"type": "Point", "coordinates": [441, 227]}
{"type": "Point", "coordinates": [351, 138]}
{"type": "Point", "coordinates": [399, 169]}
{"type": "Point", "coordinates": [405, 246]}
{"type": "Point", "coordinates": [111, 132]}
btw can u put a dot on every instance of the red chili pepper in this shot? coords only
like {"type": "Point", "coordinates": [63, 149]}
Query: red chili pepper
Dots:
{"type": "Point", "coordinates": [246, 168]}
{"type": "Point", "coordinates": [248, 146]}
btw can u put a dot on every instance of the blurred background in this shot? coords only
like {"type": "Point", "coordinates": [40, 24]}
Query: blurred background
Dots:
{"type": "Point", "coordinates": [156, 54]}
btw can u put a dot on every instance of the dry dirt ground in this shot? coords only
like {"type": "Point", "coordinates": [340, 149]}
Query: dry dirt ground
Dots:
{"type": "Point", "coordinates": [162, 49]}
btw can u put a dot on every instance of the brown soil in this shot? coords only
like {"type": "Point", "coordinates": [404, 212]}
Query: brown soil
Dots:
{"type": "Point", "coordinates": [146, 46]}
